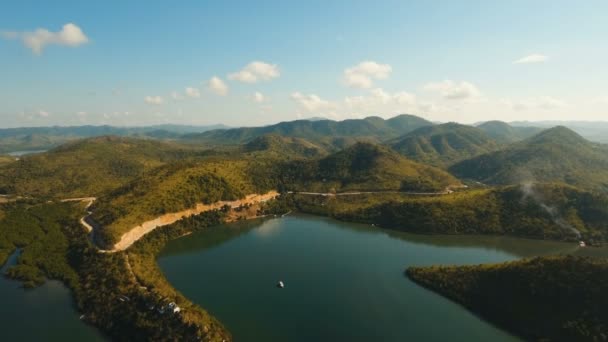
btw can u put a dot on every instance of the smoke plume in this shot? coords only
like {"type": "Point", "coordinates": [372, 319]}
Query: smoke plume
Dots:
{"type": "Point", "coordinates": [528, 191]}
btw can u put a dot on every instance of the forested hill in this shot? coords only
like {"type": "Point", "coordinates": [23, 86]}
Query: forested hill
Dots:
{"type": "Point", "coordinates": [365, 166]}
{"type": "Point", "coordinates": [43, 138]}
{"type": "Point", "coordinates": [86, 167]}
{"type": "Point", "coordinates": [444, 144]}
{"type": "Point", "coordinates": [504, 133]}
{"type": "Point", "coordinates": [542, 299]}
{"type": "Point", "coordinates": [555, 155]}
{"type": "Point", "coordinates": [315, 131]}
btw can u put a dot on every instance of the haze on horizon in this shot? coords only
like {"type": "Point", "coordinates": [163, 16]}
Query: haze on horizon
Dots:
{"type": "Point", "coordinates": [244, 64]}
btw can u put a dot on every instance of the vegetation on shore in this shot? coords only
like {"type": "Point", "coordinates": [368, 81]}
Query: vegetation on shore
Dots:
{"type": "Point", "coordinates": [547, 211]}
{"type": "Point", "coordinates": [544, 299]}
{"type": "Point", "coordinates": [121, 293]}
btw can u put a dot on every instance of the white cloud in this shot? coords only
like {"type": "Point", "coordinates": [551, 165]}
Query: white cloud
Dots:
{"type": "Point", "coordinates": [534, 58]}
{"type": "Point", "coordinates": [363, 74]}
{"type": "Point", "coordinates": [70, 35]}
{"type": "Point", "coordinates": [405, 98]}
{"type": "Point", "coordinates": [379, 100]}
{"type": "Point", "coordinates": [176, 96]}
{"type": "Point", "coordinates": [81, 114]}
{"type": "Point", "coordinates": [256, 71]}
{"type": "Point", "coordinates": [548, 102]}
{"type": "Point", "coordinates": [311, 102]}
{"type": "Point", "coordinates": [193, 92]}
{"type": "Point", "coordinates": [454, 90]}
{"type": "Point", "coordinates": [600, 100]}
{"type": "Point", "coordinates": [155, 100]}
{"type": "Point", "coordinates": [258, 97]}
{"type": "Point", "coordinates": [543, 102]}
{"type": "Point", "coordinates": [43, 114]}
{"type": "Point", "coordinates": [217, 86]}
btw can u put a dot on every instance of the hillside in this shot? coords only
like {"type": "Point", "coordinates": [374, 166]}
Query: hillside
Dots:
{"type": "Point", "coordinates": [374, 128]}
{"type": "Point", "coordinates": [596, 131]}
{"type": "Point", "coordinates": [6, 159]}
{"type": "Point", "coordinates": [177, 186]}
{"type": "Point", "coordinates": [552, 298]}
{"type": "Point", "coordinates": [504, 133]}
{"type": "Point", "coordinates": [542, 211]}
{"type": "Point", "coordinates": [283, 147]}
{"type": "Point", "coordinates": [43, 138]}
{"type": "Point", "coordinates": [364, 166]}
{"type": "Point", "coordinates": [554, 155]}
{"type": "Point", "coordinates": [86, 167]}
{"type": "Point", "coordinates": [443, 145]}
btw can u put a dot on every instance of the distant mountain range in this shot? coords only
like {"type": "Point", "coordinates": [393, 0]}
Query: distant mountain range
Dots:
{"type": "Point", "coordinates": [555, 155]}
{"type": "Point", "coordinates": [592, 130]}
{"type": "Point", "coordinates": [444, 144]}
{"type": "Point", "coordinates": [371, 128]}
{"type": "Point", "coordinates": [42, 138]}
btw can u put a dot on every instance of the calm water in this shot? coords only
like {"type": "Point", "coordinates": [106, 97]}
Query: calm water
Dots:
{"type": "Point", "coordinates": [25, 153]}
{"type": "Point", "coordinates": [42, 314]}
{"type": "Point", "coordinates": [343, 282]}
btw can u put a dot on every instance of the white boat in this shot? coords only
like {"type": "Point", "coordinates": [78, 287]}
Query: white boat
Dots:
{"type": "Point", "coordinates": [280, 284]}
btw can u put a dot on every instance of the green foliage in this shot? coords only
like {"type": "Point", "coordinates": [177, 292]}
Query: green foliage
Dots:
{"type": "Point", "coordinates": [504, 133]}
{"type": "Point", "coordinates": [443, 145]}
{"type": "Point", "coordinates": [86, 167]}
{"type": "Point", "coordinates": [375, 128]}
{"type": "Point", "coordinates": [39, 230]}
{"type": "Point", "coordinates": [363, 166]}
{"type": "Point", "coordinates": [276, 146]}
{"type": "Point", "coordinates": [6, 159]}
{"type": "Point", "coordinates": [106, 290]}
{"type": "Point", "coordinates": [505, 211]}
{"type": "Point", "coordinates": [550, 298]}
{"type": "Point", "coordinates": [44, 138]}
{"type": "Point", "coordinates": [555, 155]}
{"type": "Point", "coordinates": [175, 187]}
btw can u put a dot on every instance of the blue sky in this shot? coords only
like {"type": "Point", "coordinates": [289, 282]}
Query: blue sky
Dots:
{"type": "Point", "coordinates": [130, 63]}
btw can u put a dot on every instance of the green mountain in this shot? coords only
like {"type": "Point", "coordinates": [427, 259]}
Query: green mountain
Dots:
{"type": "Point", "coordinates": [596, 131]}
{"type": "Point", "coordinates": [374, 128]}
{"type": "Point", "coordinates": [365, 166]}
{"type": "Point", "coordinates": [542, 299]}
{"type": "Point", "coordinates": [283, 147]}
{"type": "Point", "coordinates": [504, 133]}
{"type": "Point", "coordinates": [555, 155]}
{"type": "Point", "coordinates": [86, 167]}
{"type": "Point", "coordinates": [444, 144]}
{"type": "Point", "coordinates": [43, 138]}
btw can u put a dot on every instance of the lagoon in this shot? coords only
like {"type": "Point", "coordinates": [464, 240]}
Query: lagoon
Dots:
{"type": "Point", "coordinates": [343, 281]}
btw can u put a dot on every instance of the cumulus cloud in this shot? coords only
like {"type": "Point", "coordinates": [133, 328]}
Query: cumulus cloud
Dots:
{"type": "Point", "coordinates": [217, 86]}
{"type": "Point", "coordinates": [176, 96]}
{"type": "Point", "coordinates": [258, 97]}
{"type": "Point", "coordinates": [534, 58]}
{"type": "Point", "coordinates": [378, 99]}
{"type": "Point", "coordinates": [454, 90]}
{"type": "Point", "coordinates": [154, 100]}
{"type": "Point", "coordinates": [363, 74]}
{"type": "Point", "coordinates": [256, 71]}
{"type": "Point", "coordinates": [311, 102]}
{"type": "Point", "coordinates": [543, 102]}
{"type": "Point", "coordinates": [70, 35]}
{"type": "Point", "coordinates": [193, 92]}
